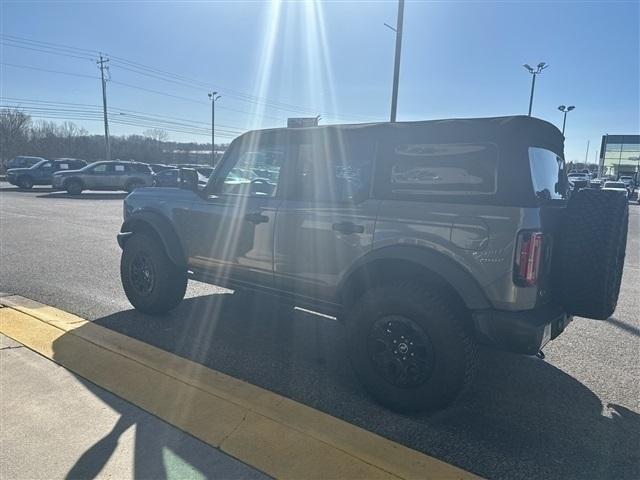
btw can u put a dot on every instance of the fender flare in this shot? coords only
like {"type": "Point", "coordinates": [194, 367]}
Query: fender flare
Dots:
{"type": "Point", "coordinates": [458, 278]}
{"type": "Point", "coordinates": [21, 176]}
{"type": "Point", "coordinates": [161, 226]}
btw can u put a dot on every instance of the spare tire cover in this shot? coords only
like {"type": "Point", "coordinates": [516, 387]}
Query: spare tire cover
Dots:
{"type": "Point", "coordinates": [589, 257]}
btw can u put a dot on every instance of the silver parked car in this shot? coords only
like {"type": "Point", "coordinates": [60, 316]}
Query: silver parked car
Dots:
{"type": "Point", "coordinates": [104, 176]}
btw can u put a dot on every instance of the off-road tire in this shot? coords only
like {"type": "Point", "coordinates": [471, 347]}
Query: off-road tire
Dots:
{"type": "Point", "coordinates": [25, 182]}
{"type": "Point", "coordinates": [589, 258]}
{"type": "Point", "coordinates": [73, 186]}
{"type": "Point", "coordinates": [169, 280]}
{"type": "Point", "coordinates": [440, 317]}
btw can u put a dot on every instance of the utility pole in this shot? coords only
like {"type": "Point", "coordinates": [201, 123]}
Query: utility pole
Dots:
{"type": "Point", "coordinates": [396, 67]}
{"type": "Point", "coordinates": [534, 73]}
{"type": "Point", "coordinates": [213, 96]}
{"type": "Point", "coordinates": [102, 63]}
{"type": "Point", "coordinates": [586, 154]}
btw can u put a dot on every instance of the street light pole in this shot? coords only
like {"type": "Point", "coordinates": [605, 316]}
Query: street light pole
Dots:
{"type": "Point", "coordinates": [396, 66]}
{"type": "Point", "coordinates": [565, 110]}
{"type": "Point", "coordinates": [534, 72]}
{"type": "Point", "coordinates": [213, 97]}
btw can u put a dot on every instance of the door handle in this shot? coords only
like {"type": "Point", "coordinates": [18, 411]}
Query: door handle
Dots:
{"type": "Point", "coordinates": [347, 228]}
{"type": "Point", "coordinates": [256, 217]}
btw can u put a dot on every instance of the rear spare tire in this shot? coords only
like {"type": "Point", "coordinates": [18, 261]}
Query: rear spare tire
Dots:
{"type": "Point", "coordinates": [590, 254]}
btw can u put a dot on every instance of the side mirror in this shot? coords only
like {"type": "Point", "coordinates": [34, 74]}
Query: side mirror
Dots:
{"type": "Point", "coordinates": [188, 179]}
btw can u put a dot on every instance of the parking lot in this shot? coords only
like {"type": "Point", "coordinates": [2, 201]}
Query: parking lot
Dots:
{"type": "Point", "coordinates": [575, 414]}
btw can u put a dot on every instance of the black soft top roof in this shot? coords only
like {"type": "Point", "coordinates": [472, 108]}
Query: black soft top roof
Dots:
{"type": "Point", "coordinates": [512, 130]}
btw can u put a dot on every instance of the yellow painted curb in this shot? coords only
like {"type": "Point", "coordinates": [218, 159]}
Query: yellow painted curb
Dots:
{"type": "Point", "coordinates": [274, 434]}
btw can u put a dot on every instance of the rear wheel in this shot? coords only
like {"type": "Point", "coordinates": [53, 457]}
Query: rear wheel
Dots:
{"type": "Point", "coordinates": [133, 184]}
{"type": "Point", "coordinates": [153, 284]}
{"type": "Point", "coordinates": [73, 187]}
{"type": "Point", "coordinates": [25, 182]}
{"type": "Point", "coordinates": [410, 346]}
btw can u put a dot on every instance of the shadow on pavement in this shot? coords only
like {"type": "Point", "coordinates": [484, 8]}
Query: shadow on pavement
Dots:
{"type": "Point", "coordinates": [624, 326]}
{"type": "Point", "coordinates": [35, 189]}
{"type": "Point", "coordinates": [524, 419]}
{"type": "Point", "coordinates": [160, 451]}
{"type": "Point", "coordinates": [86, 196]}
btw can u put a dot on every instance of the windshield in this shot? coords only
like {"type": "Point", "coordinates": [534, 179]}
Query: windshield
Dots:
{"type": "Point", "coordinates": [547, 174]}
{"type": "Point", "coordinates": [615, 185]}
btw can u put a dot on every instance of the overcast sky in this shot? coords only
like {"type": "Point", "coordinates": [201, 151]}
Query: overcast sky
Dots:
{"type": "Point", "coordinates": [271, 61]}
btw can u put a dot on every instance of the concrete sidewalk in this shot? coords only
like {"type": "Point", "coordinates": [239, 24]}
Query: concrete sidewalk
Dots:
{"type": "Point", "coordinates": [57, 425]}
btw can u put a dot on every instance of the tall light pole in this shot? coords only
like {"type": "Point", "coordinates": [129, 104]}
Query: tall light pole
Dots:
{"type": "Point", "coordinates": [396, 66]}
{"type": "Point", "coordinates": [565, 110]}
{"type": "Point", "coordinates": [534, 73]}
{"type": "Point", "coordinates": [213, 96]}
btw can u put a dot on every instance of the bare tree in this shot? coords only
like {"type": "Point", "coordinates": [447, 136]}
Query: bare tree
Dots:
{"type": "Point", "coordinates": [156, 134]}
{"type": "Point", "coordinates": [14, 131]}
{"type": "Point", "coordinates": [20, 136]}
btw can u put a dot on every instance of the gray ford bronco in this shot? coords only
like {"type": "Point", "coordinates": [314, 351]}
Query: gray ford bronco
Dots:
{"type": "Point", "coordinates": [423, 238]}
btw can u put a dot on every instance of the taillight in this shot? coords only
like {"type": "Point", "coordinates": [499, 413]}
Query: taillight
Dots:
{"type": "Point", "coordinates": [527, 261]}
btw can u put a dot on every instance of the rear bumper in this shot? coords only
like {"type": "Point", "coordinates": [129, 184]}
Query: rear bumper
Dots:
{"type": "Point", "coordinates": [524, 332]}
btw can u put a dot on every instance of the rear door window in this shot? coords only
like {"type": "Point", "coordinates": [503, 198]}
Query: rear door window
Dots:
{"type": "Point", "coordinates": [330, 167]}
{"type": "Point", "coordinates": [102, 169]}
{"type": "Point", "coordinates": [447, 169]}
{"type": "Point", "coordinates": [548, 174]}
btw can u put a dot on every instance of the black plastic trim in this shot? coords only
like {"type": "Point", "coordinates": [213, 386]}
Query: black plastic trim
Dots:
{"type": "Point", "coordinates": [524, 332]}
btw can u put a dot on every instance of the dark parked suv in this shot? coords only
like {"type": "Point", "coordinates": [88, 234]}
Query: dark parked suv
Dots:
{"type": "Point", "coordinates": [42, 172]}
{"type": "Point", "coordinates": [423, 238]}
{"type": "Point", "coordinates": [104, 176]}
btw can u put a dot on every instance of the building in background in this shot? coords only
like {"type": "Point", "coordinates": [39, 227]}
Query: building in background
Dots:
{"type": "Point", "coordinates": [620, 155]}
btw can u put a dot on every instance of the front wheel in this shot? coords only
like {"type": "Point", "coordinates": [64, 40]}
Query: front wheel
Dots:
{"type": "Point", "coordinates": [410, 346]}
{"type": "Point", "coordinates": [74, 187]}
{"type": "Point", "coordinates": [152, 282]}
{"type": "Point", "coordinates": [25, 182]}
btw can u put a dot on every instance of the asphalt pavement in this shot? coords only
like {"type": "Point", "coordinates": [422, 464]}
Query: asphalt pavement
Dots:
{"type": "Point", "coordinates": [575, 414]}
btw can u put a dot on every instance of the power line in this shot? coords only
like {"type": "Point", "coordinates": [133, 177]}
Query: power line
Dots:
{"type": "Point", "coordinates": [45, 51]}
{"type": "Point", "coordinates": [185, 81]}
{"type": "Point", "coordinates": [117, 110]}
{"type": "Point", "coordinates": [36, 42]}
{"type": "Point", "coordinates": [28, 67]}
{"type": "Point", "coordinates": [157, 92]}
{"type": "Point", "coordinates": [96, 115]}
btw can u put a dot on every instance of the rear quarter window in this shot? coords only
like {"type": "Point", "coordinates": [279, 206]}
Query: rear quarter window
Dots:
{"type": "Point", "coordinates": [428, 169]}
{"type": "Point", "coordinates": [140, 168]}
{"type": "Point", "coordinates": [548, 174]}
